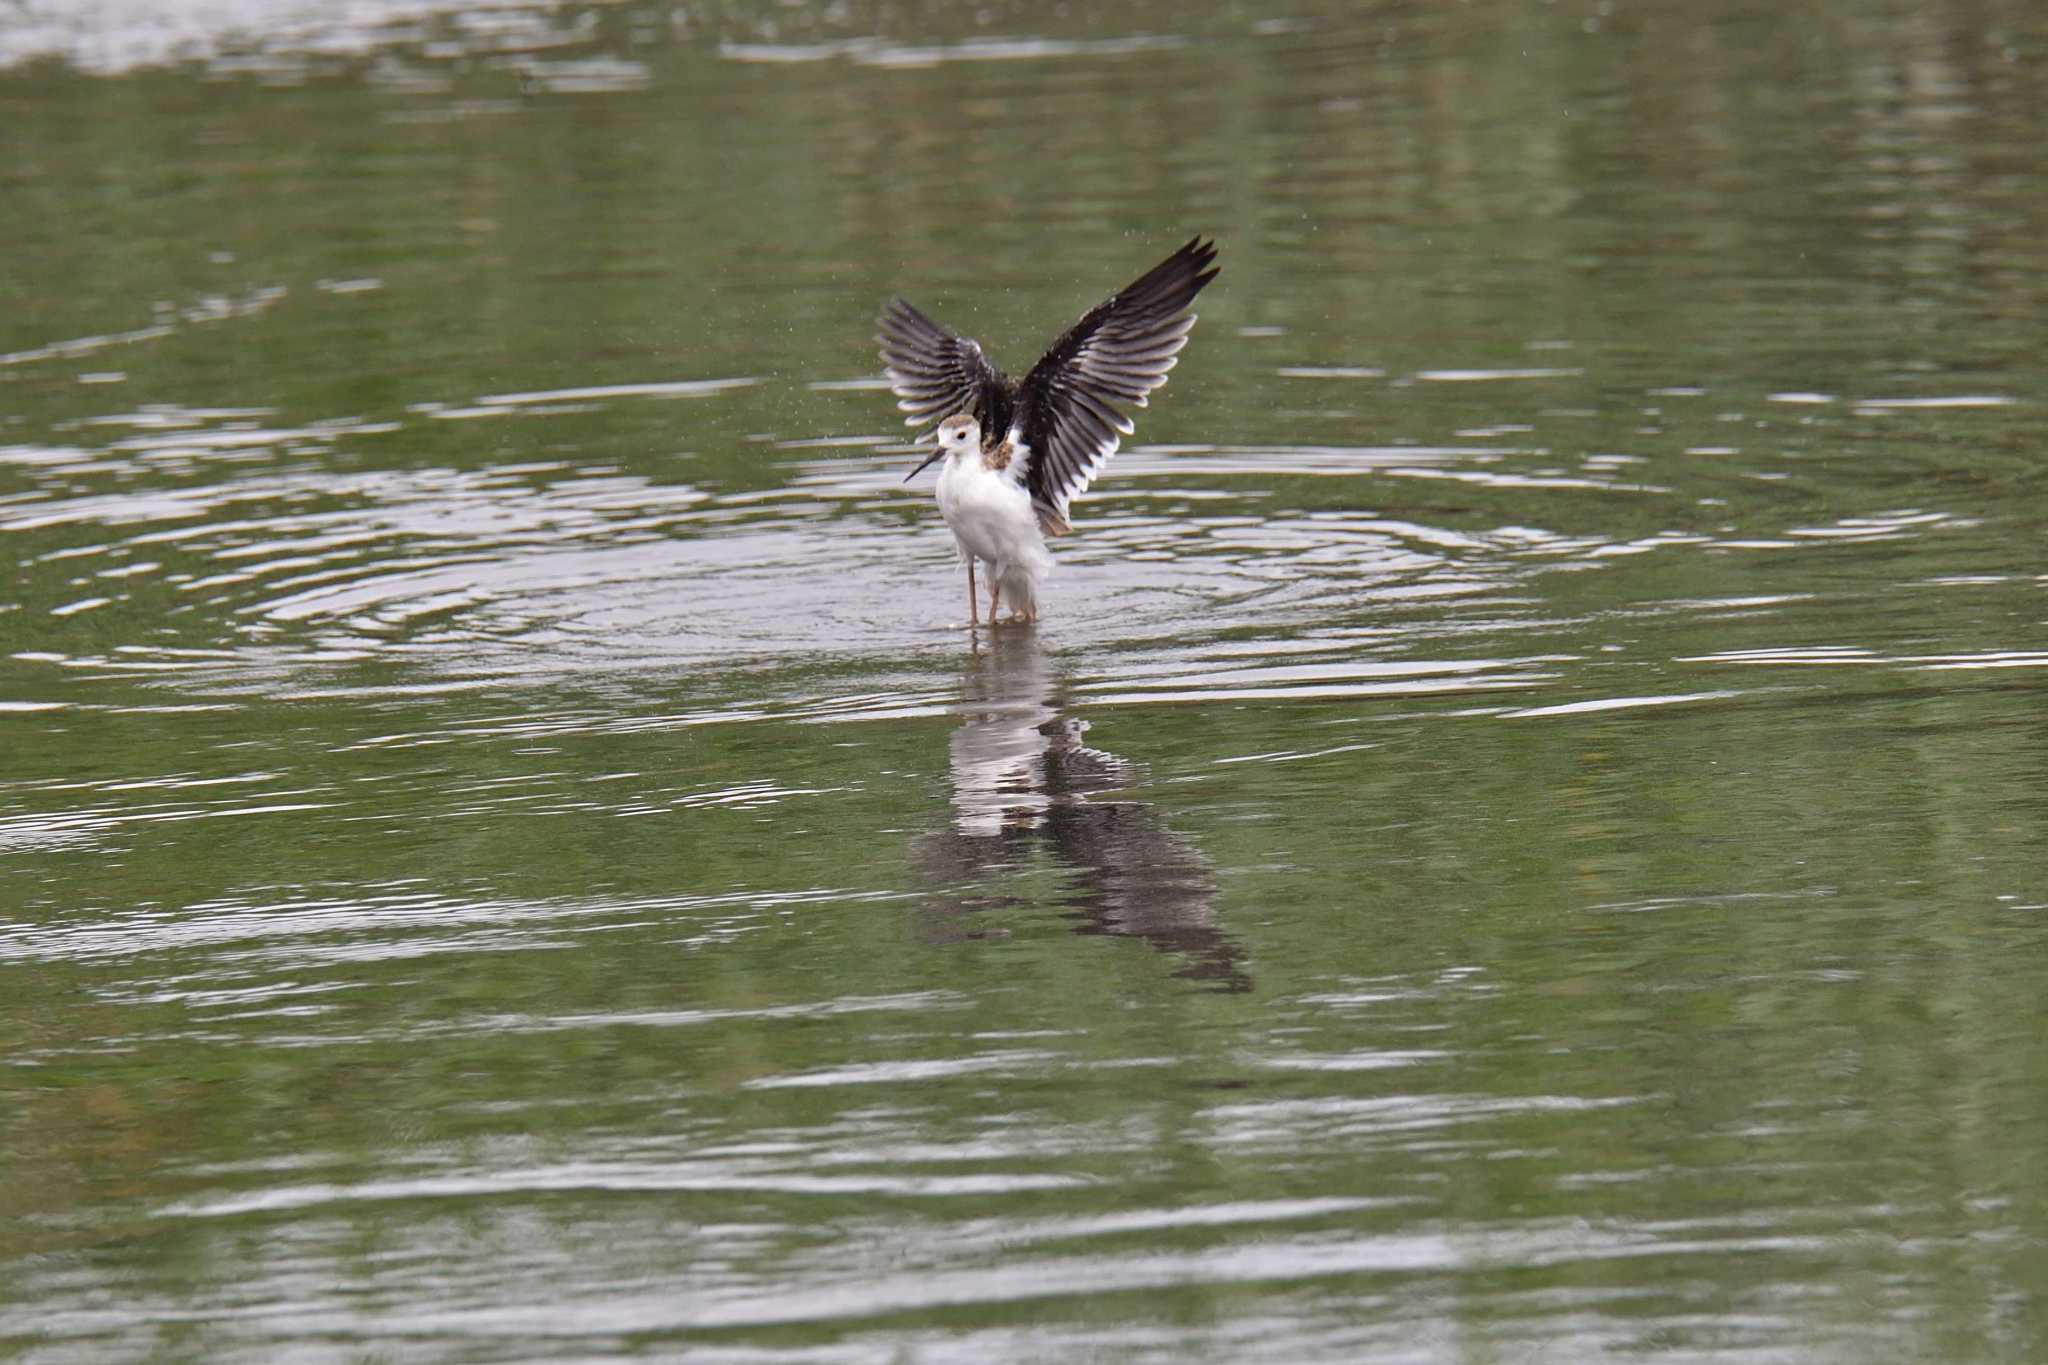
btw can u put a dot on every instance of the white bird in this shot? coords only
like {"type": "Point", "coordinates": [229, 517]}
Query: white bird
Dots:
{"type": "Point", "coordinates": [1017, 454]}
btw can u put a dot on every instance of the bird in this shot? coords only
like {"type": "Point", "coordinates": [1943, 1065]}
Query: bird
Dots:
{"type": "Point", "coordinates": [1018, 453]}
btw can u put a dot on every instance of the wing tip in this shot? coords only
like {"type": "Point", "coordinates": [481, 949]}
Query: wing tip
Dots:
{"type": "Point", "coordinates": [900, 319]}
{"type": "Point", "coordinates": [1171, 286]}
{"type": "Point", "coordinates": [1200, 254]}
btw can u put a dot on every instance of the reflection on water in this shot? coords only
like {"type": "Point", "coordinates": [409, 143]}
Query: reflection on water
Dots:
{"type": "Point", "coordinates": [1025, 785]}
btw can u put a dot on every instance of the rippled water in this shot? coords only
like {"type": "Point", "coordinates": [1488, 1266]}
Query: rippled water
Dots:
{"type": "Point", "coordinates": [1519, 837]}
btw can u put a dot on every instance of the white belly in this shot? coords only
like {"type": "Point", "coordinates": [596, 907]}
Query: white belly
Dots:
{"type": "Point", "coordinates": [990, 515]}
{"type": "Point", "coordinates": [992, 521]}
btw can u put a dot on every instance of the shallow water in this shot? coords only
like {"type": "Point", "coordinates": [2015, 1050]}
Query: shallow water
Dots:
{"type": "Point", "coordinates": [1519, 837]}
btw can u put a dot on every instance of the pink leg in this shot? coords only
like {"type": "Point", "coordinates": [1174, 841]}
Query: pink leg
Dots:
{"type": "Point", "coordinates": [973, 606]}
{"type": "Point", "coordinates": [995, 599]}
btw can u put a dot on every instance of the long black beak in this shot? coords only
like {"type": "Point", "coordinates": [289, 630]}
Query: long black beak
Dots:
{"type": "Point", "coordinates": [927, 464]}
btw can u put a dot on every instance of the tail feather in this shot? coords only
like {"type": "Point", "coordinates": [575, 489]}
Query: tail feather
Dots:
{"type": "Point", "coordinates": [1021, 582]}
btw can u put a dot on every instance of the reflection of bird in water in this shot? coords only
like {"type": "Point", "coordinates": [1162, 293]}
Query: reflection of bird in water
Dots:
{"type": "Point", "coordinates": [1022, 776]}
{"type": "Point", "coordinates": [1018, 453]}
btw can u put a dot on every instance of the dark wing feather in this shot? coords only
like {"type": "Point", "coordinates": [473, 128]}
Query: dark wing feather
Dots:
{"type": "Point", "coordinates": [936, 374]}
{"type": "Point", "coordinates": [1119, 353]}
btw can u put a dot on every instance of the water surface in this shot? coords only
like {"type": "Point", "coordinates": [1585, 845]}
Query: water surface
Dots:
{"type": "Point", "coordinates": [1518, 838]}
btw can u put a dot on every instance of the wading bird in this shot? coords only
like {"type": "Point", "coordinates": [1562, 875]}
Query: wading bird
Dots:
{"type": "Point", "coordinates": [1017, 453]}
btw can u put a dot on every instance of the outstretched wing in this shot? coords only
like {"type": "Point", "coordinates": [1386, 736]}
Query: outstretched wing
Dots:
{"type": "Point", "coordinates": [1119, 353]}
{"type": "Point", "coordinates": [936, 374]}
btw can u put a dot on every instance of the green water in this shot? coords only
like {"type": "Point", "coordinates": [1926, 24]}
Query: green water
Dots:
{"type": "Point", "coordinates": [1520, 836]}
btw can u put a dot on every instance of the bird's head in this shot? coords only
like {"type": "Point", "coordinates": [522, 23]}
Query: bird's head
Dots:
{"type": "Point", "coordinates": [958, 435]}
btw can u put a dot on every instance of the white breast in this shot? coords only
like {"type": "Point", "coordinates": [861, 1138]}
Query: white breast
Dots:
{"type": "Point", "coordinates": [990, 514]}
